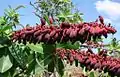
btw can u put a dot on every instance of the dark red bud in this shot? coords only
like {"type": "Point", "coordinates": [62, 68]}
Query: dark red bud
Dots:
{"type": "Point", "coordinates": [87, 61]}
{"type": "Point", "coordinates": [46, 31]}
{"type": "Point", "coordinates": [118, 72]}
{"type": "Point", "coordinates": [65, 25]}
{"type": "Point", "coordinates": [52, 33]}
{"type": "Point", "coordinates": [47, 37]}
{"type": "Point", "coordinates": [28, 28]}
{"type": "Point", "coordinates": [42, 21]}
{"type": "Point", "coordinates": [73, 33]}
{"type": "Point", "coordinates": [82, 31]}
{"type": "Point", "coordinates": [97, 65]}
{"type": "Point", "coordinates": [37, 33]}
{"type": "Point", "coordinates": [40, 38]}
{"type": "Point", "coordinates": [101, 19]}
{"type": "Point", "coordinates": [56, 36]}
{"type": "Point", "coordinates": [92, 30]}
{"type": "Point", "coordinates": [68, 31]}
{"type": "Point", "coordinates": [51, 20]}
{"type": "Point", "coordinates": [29, 32]}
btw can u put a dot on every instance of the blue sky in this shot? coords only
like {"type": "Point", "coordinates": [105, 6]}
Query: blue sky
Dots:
{"type": "Point", "coordinates": [109, 9]}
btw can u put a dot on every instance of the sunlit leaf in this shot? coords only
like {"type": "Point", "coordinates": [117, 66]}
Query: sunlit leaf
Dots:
{"type": "Point", "coordinates": [6, 27]}
{"type": "Point", "coordinates": [60, 67]}
{"type": "Point", "coordinates": [91, 74]}
{"type": "Point", "coordinates": [37, 48]}
{"type": "Point", "coordinates": [5, 63]}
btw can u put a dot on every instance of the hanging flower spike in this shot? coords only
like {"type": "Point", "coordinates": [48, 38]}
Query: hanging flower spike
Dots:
{"type": "Point", "coordinates": [65, 32]}
{"type": "Point", "coordinates": [92, 61]}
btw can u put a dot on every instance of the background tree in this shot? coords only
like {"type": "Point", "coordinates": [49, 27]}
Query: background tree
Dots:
{"type": "Point", "coordinates": [57, 10]}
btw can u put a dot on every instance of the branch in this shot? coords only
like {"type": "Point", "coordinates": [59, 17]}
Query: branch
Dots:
{"type": "Point", "coordinates": [101, 47]}
{"type": "Point", "coordinates": [93, 46]}
{"type": "Point", "coordinates": [35, 9]}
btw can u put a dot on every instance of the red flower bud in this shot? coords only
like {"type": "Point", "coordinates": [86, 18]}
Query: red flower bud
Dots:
{"type": "Point", "coordinates": [51, 20]}
{"type": "Point", "coordinates": [40, 38]}
{"type": "Point", "coordinates": [73, 33]}
{"type": "Point", "coordinates": [65, 25]}
{"type": "Point", "coordinates": [101, 19]}
{"type": "Point", "coordinates": [37, 33]}
{"type": "Point", "coordinates": [52, 33]}
{"type": "Point", "coordinates": [47, 37]}
{"type": "Point", "coordinates": [42, 21]}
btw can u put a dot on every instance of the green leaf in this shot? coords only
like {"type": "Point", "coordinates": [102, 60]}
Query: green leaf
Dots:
{"type": "Point", "coordinates": [114, 42]}
{"type": "Point", "coordinates": [6, 27]}
{"type": "Point", "coordinates": [64, 0]}
{"type": "Point", "coordinates": [49, 51]}
{"type": "Point", "coordinates": [5, 63]}
{"type": "Point", "coordinates": [37, 48]}
{"type": "Point", "coordinates": [4, 40]}
{"type": "Point", "coordinates": [47, 19]}
{"type": "Point", "coordinates": [1, 75]}
{"type": "Point", "coordinates": [69, 45]}
{"type": "Point", "coordinates": [1, 46]}
{"type": "Point", "coordinates": [91, 74]}
{"type": "Point", "coordinates": [31, 67]}
{"type": "Point", "coordinates": [39, 70]}
{"type": "Point", "coordinates": [69, 16]}
{"type": "Point", "coordinates": [60, 67]}
{"type": "Point", "coordinates": [51, 66]}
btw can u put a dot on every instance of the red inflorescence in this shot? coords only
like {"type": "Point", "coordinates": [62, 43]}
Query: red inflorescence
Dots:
{"type": "Point", "coordinates": [92, 61]}
{"type": "Point", "coordinates": [65, 32]}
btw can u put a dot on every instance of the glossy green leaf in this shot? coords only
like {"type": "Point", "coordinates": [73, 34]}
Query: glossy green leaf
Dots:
{"type": "Point", "coordinates": [4, 40]}
{"type": "Point", "coordinates": [91, 74]}
{"type": "Point", "coordinates": [5, 63]}
{"type": "Point", "coordinates": [69, 45]}
{"type": "Point", "coordinates": [51, 66]}
{"type": "Point", "coordinates": [40, 66]}
{"type": "Point", "coordinates": [37, 48]}
{"type": "Point", "coordinates": [6, 27]}
{"type": "Point", "coordinates": [31, 66]}
{"type": "Point", "coordinates": [49, 57]}
{"type": "Point", "coordinates": [60, 67]}
{"type": "Point", "coordinates": [39, 70]}
{"type": "Point", "coordinates": [1, 46]}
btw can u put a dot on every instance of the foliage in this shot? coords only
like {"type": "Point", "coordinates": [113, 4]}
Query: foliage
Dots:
{"type": "Point", "coordinates": [11, 54]}
{"type": "Point", "coordinates": [58, 10]}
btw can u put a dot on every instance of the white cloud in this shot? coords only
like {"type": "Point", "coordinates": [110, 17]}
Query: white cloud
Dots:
{"type": "Point", "coordinates": [107, 20]}
{"type": "Point", "coordinates": [109, 8]}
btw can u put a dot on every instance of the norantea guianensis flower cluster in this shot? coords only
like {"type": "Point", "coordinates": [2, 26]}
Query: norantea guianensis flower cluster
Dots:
{"type": "Point", "coordinates": [84, 31]}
